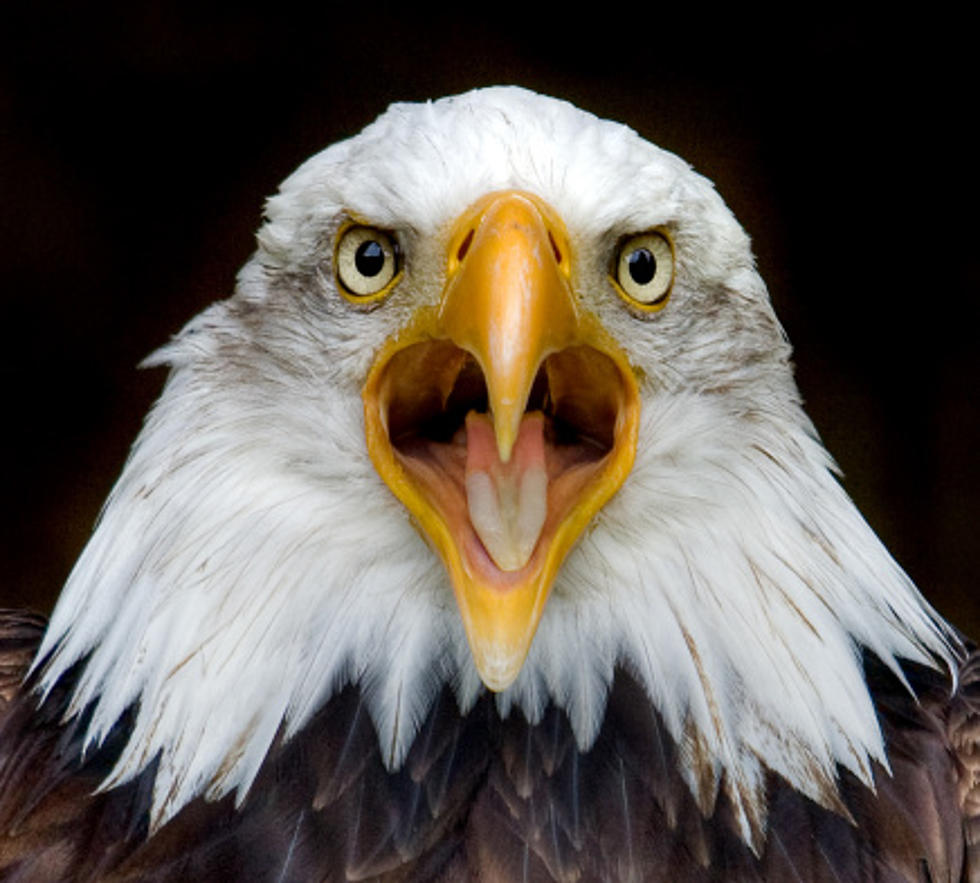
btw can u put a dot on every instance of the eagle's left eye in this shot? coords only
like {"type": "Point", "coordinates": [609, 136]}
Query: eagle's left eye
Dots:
{"type": "Point", "coordinates": [644, 270]}
{"type": "Point", "coordinates": [366, 262]}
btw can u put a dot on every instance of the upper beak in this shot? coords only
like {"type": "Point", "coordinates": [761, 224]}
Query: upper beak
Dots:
{"type": "Point", "coordinates": [509, 302]}
{"type": "Point", "coordinates": [503, 496]}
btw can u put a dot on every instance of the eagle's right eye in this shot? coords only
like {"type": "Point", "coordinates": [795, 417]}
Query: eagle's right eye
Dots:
{"type": "Point", "coordinates": [644, 270]}
{"type": "Point", "coordinates": [366, 262]}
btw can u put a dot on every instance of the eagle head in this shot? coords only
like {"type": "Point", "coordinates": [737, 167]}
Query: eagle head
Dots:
{"type": "Point", "coordinates": [499, 402]}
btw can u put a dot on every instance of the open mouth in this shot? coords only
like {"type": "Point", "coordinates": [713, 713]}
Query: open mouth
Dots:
{"type": "Point", "coordinates": [503, 418]}
{"type": "Point", "coordinates": [502, 515]}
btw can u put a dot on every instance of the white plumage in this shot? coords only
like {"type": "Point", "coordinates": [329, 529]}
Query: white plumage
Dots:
{"type": "Point", "coordinates": [251, 561]}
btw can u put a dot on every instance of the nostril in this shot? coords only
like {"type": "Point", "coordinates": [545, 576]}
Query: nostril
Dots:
{"type": "Point", "coordinates": [464, 246]}
{"type": "Point", "coordinates": [554, 247]}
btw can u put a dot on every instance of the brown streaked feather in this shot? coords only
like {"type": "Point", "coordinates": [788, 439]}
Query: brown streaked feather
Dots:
{"type": "Point", "coordinates": [964, 736]}
{"type": "Point", "coordinates": [485, 799]}
{"type": "Point", "coordinates": [20, 632]}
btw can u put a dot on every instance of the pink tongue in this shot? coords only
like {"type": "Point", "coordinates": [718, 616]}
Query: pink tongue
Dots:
{"type": "Point", "coordinates": [507, 502]}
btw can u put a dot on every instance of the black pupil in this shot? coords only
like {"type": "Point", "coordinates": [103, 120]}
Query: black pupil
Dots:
{"type": "Point", "coordinates": [642, 266]}
{"type": "Point", "coordinates": [369, 258]}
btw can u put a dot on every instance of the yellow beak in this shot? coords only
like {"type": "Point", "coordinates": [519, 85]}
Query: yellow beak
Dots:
{"type": "Point", "coordinates": [509, 302]}
{"type": "Point", "coordinates": [508, 355]}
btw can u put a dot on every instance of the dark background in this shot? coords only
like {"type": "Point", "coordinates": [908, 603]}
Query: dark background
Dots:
{"type": "Point", "coordinates": [138, 142]}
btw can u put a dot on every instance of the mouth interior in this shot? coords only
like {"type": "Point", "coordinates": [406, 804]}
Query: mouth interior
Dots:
{"type": "Point", "coordinates": [430, 388]}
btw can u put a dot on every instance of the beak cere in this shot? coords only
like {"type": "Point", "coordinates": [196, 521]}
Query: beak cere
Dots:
{"type": "Point", "coordinates": [503, 420]}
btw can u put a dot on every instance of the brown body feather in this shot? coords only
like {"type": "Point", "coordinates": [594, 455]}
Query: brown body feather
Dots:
{"type": "Point", "coordinates": [484, 799]}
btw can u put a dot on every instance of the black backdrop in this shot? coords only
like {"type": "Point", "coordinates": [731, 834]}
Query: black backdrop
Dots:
{"type": "Point", "coordinates": [138, 141]}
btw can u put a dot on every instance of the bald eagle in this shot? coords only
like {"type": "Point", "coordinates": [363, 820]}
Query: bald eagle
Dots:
{"type": "Point", "coordinates": [481, 536]}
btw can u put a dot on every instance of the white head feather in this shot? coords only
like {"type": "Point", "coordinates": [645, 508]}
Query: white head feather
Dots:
{"type": "Point", "coordinates": [250, 561]}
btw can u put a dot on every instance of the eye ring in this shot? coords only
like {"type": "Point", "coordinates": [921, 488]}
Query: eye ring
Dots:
{"type": "Point", "coordinates": [644, 270]}
{"type": "Point", "coordinates": [367, 263]}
